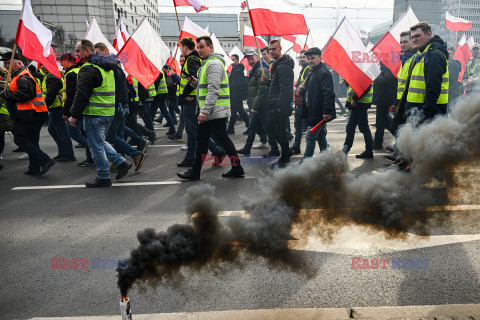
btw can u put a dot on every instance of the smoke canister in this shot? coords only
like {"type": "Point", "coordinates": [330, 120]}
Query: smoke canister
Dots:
{"type": "Point", "coordinates": [126, 309]}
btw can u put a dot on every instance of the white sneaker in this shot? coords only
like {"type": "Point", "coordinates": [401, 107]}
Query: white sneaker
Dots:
{"type": "Point", "coordinates": [185, 147]}
{"type": "Point", "coordinates": [260, 146]}
{"type": "Point", "coordinates": [23, 157]}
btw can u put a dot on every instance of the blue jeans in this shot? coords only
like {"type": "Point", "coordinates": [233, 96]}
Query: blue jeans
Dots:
{"type": "Point", "coordinates": [160, 102]}
{"type": "Point", "coordinates": [257, 124]}
{"type": "Point", "coordinates": [358, 116]}
{"type": "Point", "coordinates": [95, 128]}
{"type": "Point", "coordinates": [319, 136]}
{"type": "Point", "coordinates": [172, 108]}
{"type": "Point", "coordinates": [58, 129]}
{"type": "Point", "coordinates": [144, 112]}
{"type": "Point", "coordinates": [115, 134]}
{"type": "Point", "coordinates": [76, 135]}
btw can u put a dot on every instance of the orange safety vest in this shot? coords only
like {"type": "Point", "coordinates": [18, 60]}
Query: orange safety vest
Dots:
{"type": "Point", "coordinates": [37, 103]}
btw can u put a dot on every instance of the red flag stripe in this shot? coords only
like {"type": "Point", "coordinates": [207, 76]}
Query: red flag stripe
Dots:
{"type": "Point", "coordinates": [457, 26]}
{"type": "Point", "coordinates": [267, 22]}
{"type": "Point", "coordinates": [388, 51]}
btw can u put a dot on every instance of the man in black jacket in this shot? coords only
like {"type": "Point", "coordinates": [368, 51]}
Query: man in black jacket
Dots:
{"type": "Point", "coordinates": [238, 93]}
{"type": "Point", "coordinates": [279, 101]}
{"type": "Point", "coordinates": [69, 64]}
{"type": "Point", "coordinates": [299, 122]}
{"type": "Point", "coordinates": [384, 96]}
{"type": "Point", "coordinates": [454, 69]}
{"type": "Point", "coordinates": [57, 127]}
{"type": "Point", "coordinates": [27, 109]}
{"type": "Point", "coordinates": [319, 102]}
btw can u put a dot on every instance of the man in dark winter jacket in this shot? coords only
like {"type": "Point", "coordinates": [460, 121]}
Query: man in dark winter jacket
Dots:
{"type": "Point", "coordinates": [384, 96]}
{"type": "Point", "coordinates": [279, 101]}
{"type": "Point", "coordinates": [28, 110]}
{"type": "Point", "coordinates": [454, 69]}
{"type": "Point", "coordinates": [95, 101]}
{"type": "Point", "coordinates": [238, 93]}
{"type": "Point", "coordinates": [57, 127]}
{"type": "Point", "coordinates": [299, 123]}
{"type": "Point", "coordinates": [257, 101]}
{"type": "Point", "coordinates": [319, 101]}
{"type": "Point", "coordinates": [117, 129]}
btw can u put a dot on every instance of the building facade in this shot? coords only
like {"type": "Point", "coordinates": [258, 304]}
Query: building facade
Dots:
{"type": "Point", "coordinates": [466, 9]}
{"type": "Point", "coordinates": [225, 27]}
{"type": "Point", "coordinates": [72, 16]}
{"type": "Point", "coordinates": [425, 10]}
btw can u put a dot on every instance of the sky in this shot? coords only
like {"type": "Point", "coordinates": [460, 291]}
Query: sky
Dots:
{"type": "Point", "coordinates": [321, 15]}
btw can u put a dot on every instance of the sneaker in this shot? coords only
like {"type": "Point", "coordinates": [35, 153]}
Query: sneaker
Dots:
{"type": "Point", "coordinates": [185, 147]}
{"type": "Point", "coordinates": [179, 140]}
{"type": "Point", "coordinates": [65, 159]}
{"type": "Point", "coordinates": [295, 150]}
{"type": "Point", "coordinates": [242, 151]}
{"type": "Point", "coordinates": [99, 183]}
{"type": "Point", "coordinates": [123, 170]}
{"type": "Point", "coordinates": [235, 172]}
{"type": "Point", "coordinates": [45, 167]}
{"type": "Point", "coordinates": [113, 168]}
{"type": "Point", "coordinates": [260, 146]}
{"type": "Point", "coordinates": [86, 163]}
{"type": "Point", "coordinates": [187, 162]}
{"type": "Point", "coordinates": [138, 160]}
{"type": "Point", "coordinates": [23, 157]}
{"type": "Point", "coordinates": [18, 150]}
{"type": "Point", "coordinates": [390, 158]}
{"type": "Point", "coordinates": [189, 175]}
{"type": "Point", "coordinates": [365, 155]}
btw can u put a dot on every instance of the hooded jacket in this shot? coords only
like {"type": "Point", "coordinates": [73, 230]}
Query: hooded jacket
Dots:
{"type": "Point", "coordinates": [238, 83]}
{"type": "Point", "coordinates": [280, 92]}
{"type": "Point", "coordinates": [319, 94]}
{"type": "Point", "coordinates": [435, 66]}
{"type": "Point", "coordinates": [215, 75]}
{"type": "Point", "coordinates": [257, 89]}
{"type": "Point", "coordinates": [26, 91]}
{"type": "Point", "coordinates": [90, 77]}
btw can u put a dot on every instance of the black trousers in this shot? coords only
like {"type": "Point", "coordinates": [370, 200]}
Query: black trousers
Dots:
{"type": "Point", "coordinates": [204, 131]}
{"type": "Point", "coordinates": [131, 120]}
{"type": "Point", "coordinates": [237, 109]}
{"type": "Point", "coordinates": [27, 137]}
{"type": "Point", "coordinates": [2, 141]}
{"type": "Point", "coordinates": [277, 128]}
{"type": "Point", "coordinates": [383, 121]}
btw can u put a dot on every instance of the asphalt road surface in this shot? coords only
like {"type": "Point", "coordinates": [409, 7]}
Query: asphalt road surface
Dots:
{"type": "Point", "coordinates": [64, 221]}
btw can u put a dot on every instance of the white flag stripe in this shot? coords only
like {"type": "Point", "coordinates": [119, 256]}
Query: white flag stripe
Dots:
{"type": "Point", "coordinates": [95, 35]}
{"type": "Point", "coordinates": [31, 22]}
{"type": "Point", "coordinates": [453, 19]}
{"type": "Point", "coordinates": [407, 20]}
{"type": "Point", "coordinates": [275, 6]}
{"type": "Point", "coordinates": [218, 49]}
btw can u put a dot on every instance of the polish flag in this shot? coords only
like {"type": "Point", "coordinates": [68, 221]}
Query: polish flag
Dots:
{"type": "Point", "coordinates": [191, 30]}
{"type": "Point", "coordinates": [95, 35]}
{"type": "Point", "coordinates": [249, 38]}
{"type": "Point", "coordinates": [174, 61]}
{"type": "Point", "coordinates": [194, 3]}
{"type": "Point", "coordinates": [217, 47]}
{"type": "Point", "coordinates": [144, 54]}
{"type": "Point", "coordinates": [35, 40]}
{"type": "Point", "coordinates": [276, 17]}
{"type": "Point", "coordinates": [300, 43]}
{"type": "Point", "coordinates": [456, 24]}
{"type": "Point", "coordinates": [121, 36]}
{"type": "Point", "coordinates": [462, 56]}
{"type": "Point", "coordinates": [387, 49]}
{"type": "Point", "coordinates": [345, 53]}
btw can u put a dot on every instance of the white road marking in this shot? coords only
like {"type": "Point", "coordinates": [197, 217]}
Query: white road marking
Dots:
{"type": "Point", "coordinates": [73, 186]}
{"type": "Point", "coordinates": [165, 145]}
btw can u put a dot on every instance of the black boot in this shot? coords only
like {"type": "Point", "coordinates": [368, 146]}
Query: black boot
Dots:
{"type": "Point", "coordinates": [295, 150]}
{"type": "Point", "coordinates": [45, 167]}
{"type": "Point", "coordinates": [123, 169]}
{"type": "Point", "coordinates": [99, 183]}
{"type": "Point", "coordinates": [189, 175]}
{"type": "Point", "coordinates": [235, 172]}
{"type": "Point", "coordinates": [187, 162]}
{"type": "Point", "coordinates": [365, 155]}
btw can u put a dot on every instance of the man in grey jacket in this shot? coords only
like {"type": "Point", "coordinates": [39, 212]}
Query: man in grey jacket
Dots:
{"type": "Point", "coordinates": [213, 96]}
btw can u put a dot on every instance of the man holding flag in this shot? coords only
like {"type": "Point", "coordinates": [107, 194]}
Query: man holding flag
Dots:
{"type": "Point", "coordinates": [472, 71]}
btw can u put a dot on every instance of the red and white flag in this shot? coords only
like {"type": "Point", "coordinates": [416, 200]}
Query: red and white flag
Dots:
{"type": "Point", "coordinates": [243, 60]}
{"type": "Point", "coordinates": [217, 48]}
{"type": "Point", "coordinates": [144, 54]}
{"type": "Point", "coordinates": [347, 55]}
{"type": "Point", "coordinates": [300, 43]}
{"type": "Point", "coordinates": [95, 35]}
{"type": "Point", "coordinates": [194, 3]}
{"type": "Point", "coordinates": [121, 36]}
{"type": "Point", "coordinates": [249, 38]}
{"type": "Point", "coordinates": [456, 24]}
{"type": "Point", "coordinates": [461, 57]}
{"type": "Point", "coordinates": [35, 40]}
{"type": "Point", "coordinates": [191, 30]}
{"type": "Point", "coordinates": [387, 49]}
{"type": "Point", "coordinates": [276, 17]}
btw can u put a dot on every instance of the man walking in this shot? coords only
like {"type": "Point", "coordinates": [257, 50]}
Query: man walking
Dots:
{"type": "Point", "coordinates": [320, 101]}
{"type": "Point", "coordinates": [95, 100]}
{"type": "Point", "coordinates": [27, 108]}
{"type": "Point", "coordinates": [454, 69]}
{"type": "Point", "coordinates": [471, 76]}
{"type": "Point", "coordinates": [213, 94]}
{"type": "Point", "coordinates": [299, 102]}
{"type": "Point", "coordinates": [238, 93]}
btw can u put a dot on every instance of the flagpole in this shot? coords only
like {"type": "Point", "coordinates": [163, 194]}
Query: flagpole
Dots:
{"type": "Point", "coordinates": [179, 30]}
{"type": "Point", "coordinates": [256, 42]}
{"type": "Point", "coordinates": [306, 39]}
{"type": "Point", "coordinates": [9, 74]}
{"type": "Point", "coordinates": [333, 35]}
